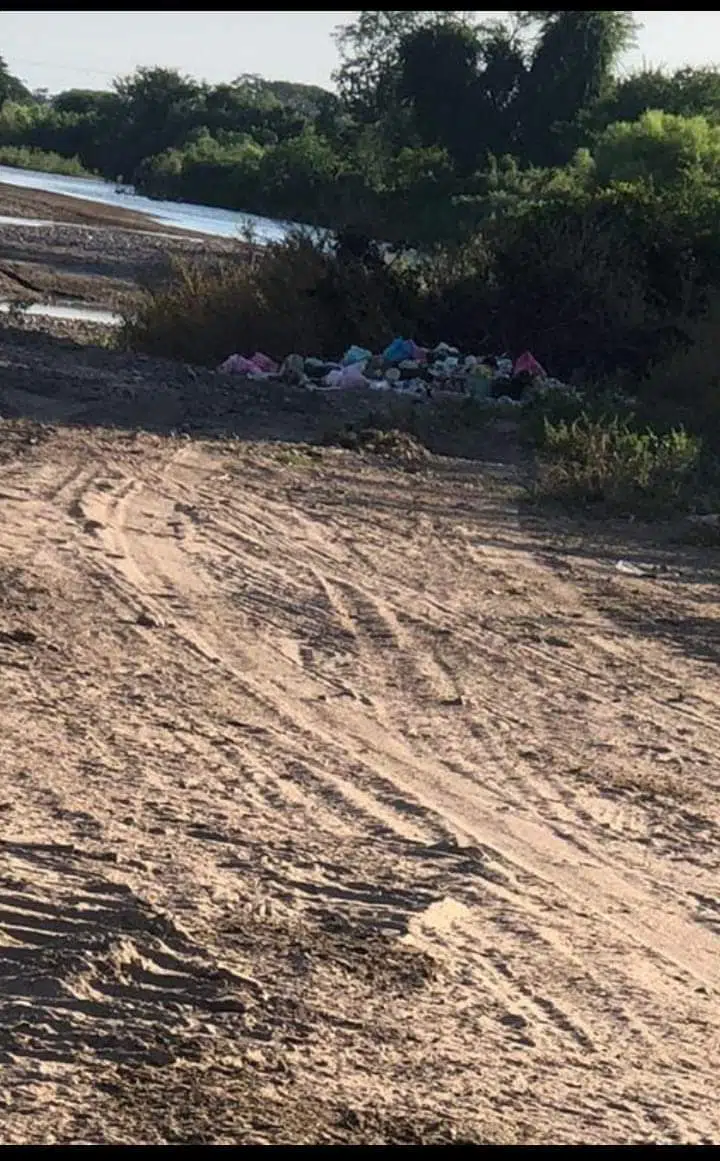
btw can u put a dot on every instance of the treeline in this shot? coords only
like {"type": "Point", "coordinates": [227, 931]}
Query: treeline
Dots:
{"type": "Point", "coordinates": [436, 124]}
{"type": "Point", "coordinates": [537, 199]}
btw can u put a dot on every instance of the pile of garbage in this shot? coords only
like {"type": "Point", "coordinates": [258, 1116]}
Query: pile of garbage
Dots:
{"type": "Point", "coordinates": [406, 368]}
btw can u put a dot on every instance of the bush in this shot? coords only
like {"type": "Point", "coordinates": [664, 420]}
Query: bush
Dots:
{"type": "Point", "coordinates": [546, 408]}
{"type": "Point", "coordinates": [571, 284]}
{"type": "Point", "coordinates": [22, 157]}
{"type": "Point", "coordinates": [687, 385]}
{"type": "Point", "coordinates": [300, 295]}
{"type": "Point", "coordinates": [607, 463]}
{"type": "Point", "coordinates": [658, 147]}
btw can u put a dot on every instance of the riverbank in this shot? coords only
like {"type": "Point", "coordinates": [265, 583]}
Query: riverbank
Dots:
{"type": "Point", "coordinates": [20, 202]}
{"type": "Point", "coordinates": [86, 252]}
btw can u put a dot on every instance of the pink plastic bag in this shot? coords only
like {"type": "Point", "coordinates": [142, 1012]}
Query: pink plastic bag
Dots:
{"type": "Point", "coordinates": [528, 362]}
{"type": "Point", "coordinates": [259, 365]}
{"type": "Point", "coordinates": [237, 365]}
{"type": "Point", "coordinates": [264, 363]}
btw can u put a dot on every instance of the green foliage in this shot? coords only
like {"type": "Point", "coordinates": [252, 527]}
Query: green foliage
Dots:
{"type": "Point", "coordinates": [687, 383]}
{"type": "Point", "coordinates": [20, 157]}
{"type": "Point", "coordinates": [11, 87]}
{"type": "Point", "coordinates": [661, 148]}
{"type": "Point", "coordinates": [370, 52]}
{"type": "Point", "coordinates": [84, 102]}
{"type": "Point", "coordinates": [571, 70]}
{"type": "Point", "coordinates": [569, 278]}
{"type": "Point", "coordinates": [687, 92]}
{"type": "Point", "coordinates": [547, 409]}
{"type": "Point", "coordinates": [609, 464]}
{"type": "Point", "coordinates": [437, 78]}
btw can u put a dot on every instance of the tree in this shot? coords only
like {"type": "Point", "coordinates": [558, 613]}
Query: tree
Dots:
{"type": "Point", "coordinates": [370, 51]}
{"type": "Point", "coordinates": [438, 78]}
{"type": "Point", "coordinates": [500, 84]}
{"type": "Point", "coordinates": [462, 85]}
{"type": "Point", "coordinates": [85, 102]}
{"type": "Point", "coordinates": [659, 148]}
{"type": "Point", "coordinates": [11, 87]}
{"type": "Point", "coordinates": [571, 70]}
{"type": "Point", "coordinates": [158, 107]}
{"type": "Point", "coordinates": [296, 174]}
{"type": "Point", "coordinates": [688, 92]}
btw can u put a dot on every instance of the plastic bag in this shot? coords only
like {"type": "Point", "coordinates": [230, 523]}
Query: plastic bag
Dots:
{"type": "Point", "coordinates": [356, 354]}
{"type": "Point", "coordinates": [259, 365]}
{"type": "Point", "coordinates": [350, 376]}
{"type": "Point", "coordinates": [236, 365]}
{"type": "Point", "coordinates": [398, 350]}
{"type": "Point", "coordinates": [264, 363]}
{"type": "Point", "coordinates": [527, 362]}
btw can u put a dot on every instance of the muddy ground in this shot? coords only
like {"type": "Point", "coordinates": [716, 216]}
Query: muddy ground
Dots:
{"type": "Point", "coordinates": [345, 798]}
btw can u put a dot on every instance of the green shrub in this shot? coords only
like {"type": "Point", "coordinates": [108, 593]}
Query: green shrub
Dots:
{"type": "Point", "coordinates": [546, 408]}
{"type": "Point", "coordinates": [22, 157]}
{"type": "Point", "coordinates": [658, 147]}
{"type": "Point", "coordinates": [605, 462]}
{"type": "Point", "coordinates": [687, 385]}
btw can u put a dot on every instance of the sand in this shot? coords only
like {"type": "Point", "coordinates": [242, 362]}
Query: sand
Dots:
{"type": "Point", "coordinates": [344, 798]}
{"type": "Point", "coordinates": [341, 802]}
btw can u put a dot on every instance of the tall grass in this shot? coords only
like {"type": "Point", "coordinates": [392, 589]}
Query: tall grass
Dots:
{"type": "Point", "coordinates": [298, 295]}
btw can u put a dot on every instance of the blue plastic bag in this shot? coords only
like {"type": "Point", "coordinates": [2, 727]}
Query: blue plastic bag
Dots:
{"type": "Point", "coordinates": [355, 354]}
{"type": "Point", "coordinates": [399, 350]}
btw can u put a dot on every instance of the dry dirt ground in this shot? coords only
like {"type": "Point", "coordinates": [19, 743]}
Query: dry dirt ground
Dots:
{"type": "Point", "coordinates": [341, 802]}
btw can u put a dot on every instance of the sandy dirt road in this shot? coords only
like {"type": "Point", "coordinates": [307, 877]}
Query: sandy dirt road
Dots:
{"type": "Point", "coordinates": [345, 803]}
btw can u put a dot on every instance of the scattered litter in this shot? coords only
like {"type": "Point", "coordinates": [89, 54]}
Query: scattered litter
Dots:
{"type": "Point", "coordinates": [399, 350]}
{"type": "Point", "coordinates": [264, 363]}
{"type": "Point", "coordinates": [293, 370]}
{"type": "Point", "coordinates": [406, 368]}
{"type": "Point", "coordinates": [349, 376]}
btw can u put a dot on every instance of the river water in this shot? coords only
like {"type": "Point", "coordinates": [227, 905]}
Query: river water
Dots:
{"type": "Point", "coordinates": [181, 215]}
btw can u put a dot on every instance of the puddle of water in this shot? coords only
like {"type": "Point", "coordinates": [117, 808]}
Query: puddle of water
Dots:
{"type": "Point", "coordinates": [77, 313]}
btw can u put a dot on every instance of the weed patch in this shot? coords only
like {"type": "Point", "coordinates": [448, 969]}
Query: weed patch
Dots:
{"type": "Point", "coordinates": [607, 465]}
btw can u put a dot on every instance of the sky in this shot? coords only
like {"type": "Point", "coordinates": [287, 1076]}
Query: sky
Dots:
{"type": "Point", "coordinates": [63, 50]}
